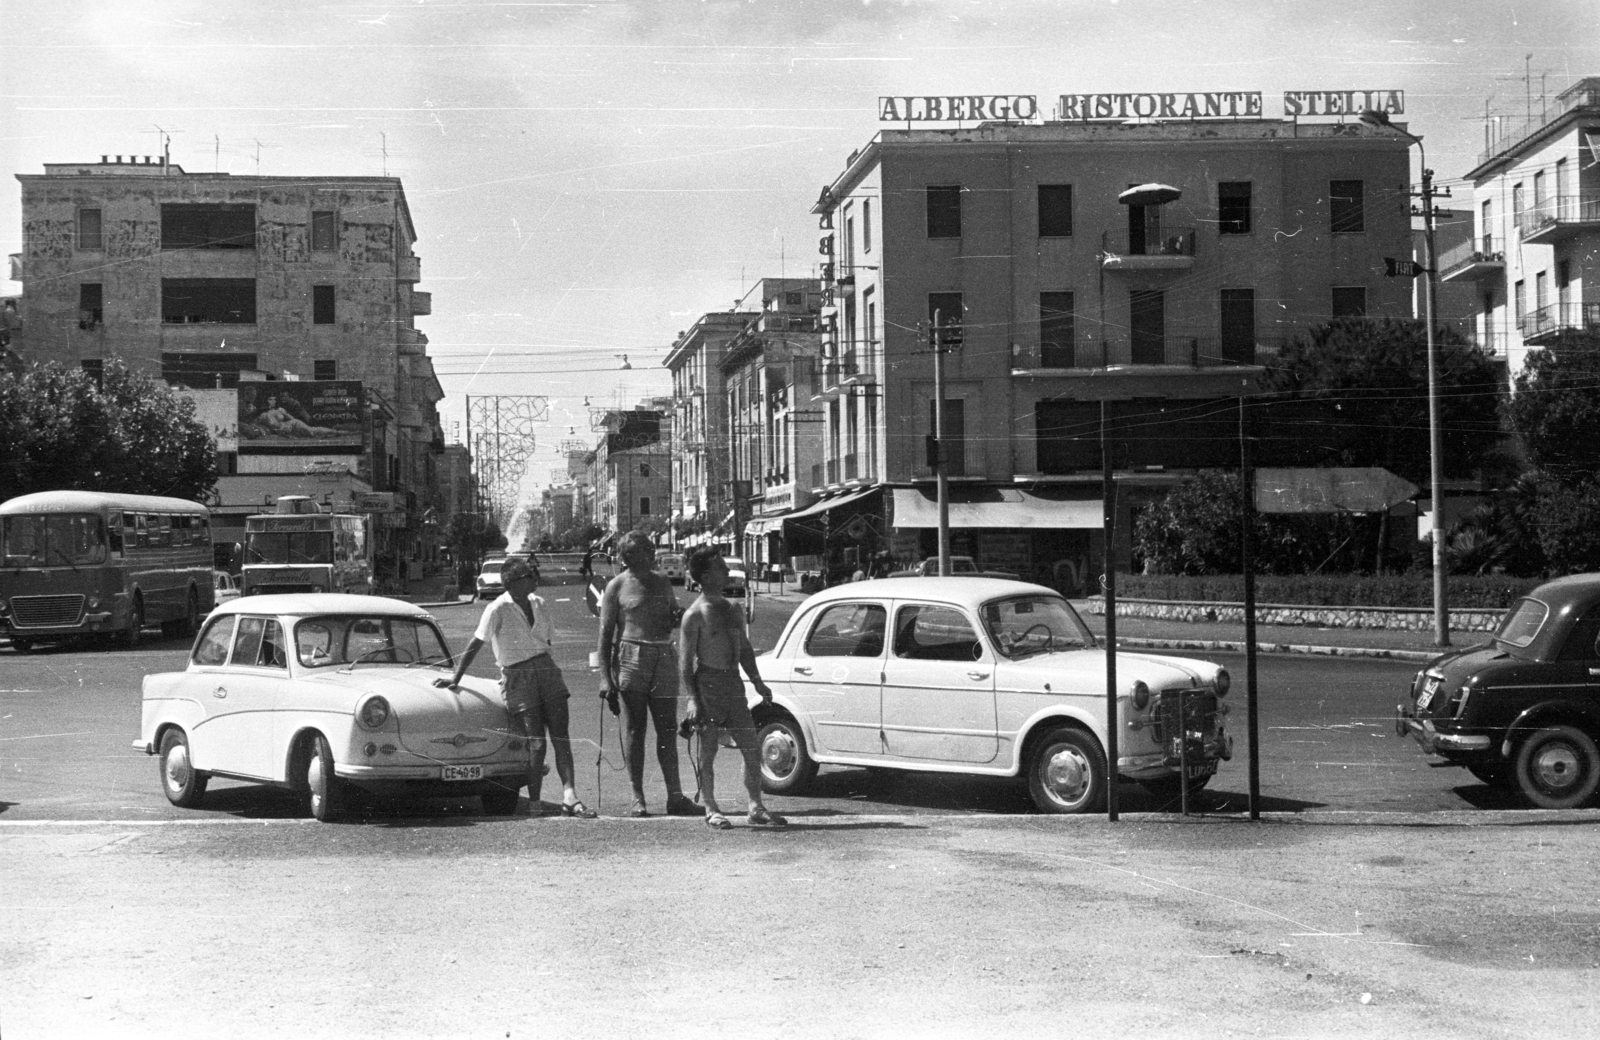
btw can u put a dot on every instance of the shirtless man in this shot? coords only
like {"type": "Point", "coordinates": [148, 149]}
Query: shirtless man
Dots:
{"type": "Point", "coordinates": [638, 615]}
{"type": "Point", "coordinates": [712, 648]}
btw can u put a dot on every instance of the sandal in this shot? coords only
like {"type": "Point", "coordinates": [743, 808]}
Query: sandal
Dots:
{"type": "Point", "coordinates": [639, 812]}
{"type": "Point", "coordinates": [579, 811]}
{"type": "Point", "coordinates": [760, 817]}
{"type": "Point", "coordinates": [718, 822]}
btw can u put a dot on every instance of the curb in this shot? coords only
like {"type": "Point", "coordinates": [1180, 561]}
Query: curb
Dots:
{"type": "Point", "coordinates": [1231, 646]}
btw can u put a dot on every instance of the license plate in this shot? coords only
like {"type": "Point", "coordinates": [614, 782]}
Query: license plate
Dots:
{"type": "Point", "coordinates": [1203, 769]}
{"type": "Point", "coordinates": [1428, 690]}
{"type": "Point", "coordinates": [463, 772]}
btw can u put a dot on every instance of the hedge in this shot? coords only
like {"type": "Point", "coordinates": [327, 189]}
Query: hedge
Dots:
{"type": "Point", "coordinates": [1411, 589]}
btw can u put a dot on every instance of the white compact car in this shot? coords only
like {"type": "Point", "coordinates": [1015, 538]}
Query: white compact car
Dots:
{"type": "Point", "coordinates": [324, 693]}
{"type": "Point", "coordinates": [984, 676]}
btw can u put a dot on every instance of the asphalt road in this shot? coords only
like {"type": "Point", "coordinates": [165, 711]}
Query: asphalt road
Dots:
{"type": "Point", "coordinates": [68, 715]}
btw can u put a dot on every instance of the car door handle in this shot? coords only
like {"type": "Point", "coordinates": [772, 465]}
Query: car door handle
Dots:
{"type": "Point", "coordinates": [977, 675]}
{"type": "Point", "coordinates": [220, 691]}
{"type": "Point", "coordinates": [801, 669]}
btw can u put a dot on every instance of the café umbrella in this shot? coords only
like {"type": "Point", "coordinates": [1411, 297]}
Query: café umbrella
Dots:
{"type": "Point", "coordinates": [1149, 195]}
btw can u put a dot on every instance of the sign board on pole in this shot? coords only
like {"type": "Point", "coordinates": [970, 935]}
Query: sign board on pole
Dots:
{"type": "Point", "coordinates": [1331, 490]}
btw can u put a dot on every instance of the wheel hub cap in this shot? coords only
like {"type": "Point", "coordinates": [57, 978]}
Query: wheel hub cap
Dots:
{"type": "Point", "coordinates": [1557, 767]}
{"type": "Point", "coordinates": [178, 767]}
{"type": "Point", "coordinates": [1066, 775]}
{"type": "Point", "coordinates": [778, 752]}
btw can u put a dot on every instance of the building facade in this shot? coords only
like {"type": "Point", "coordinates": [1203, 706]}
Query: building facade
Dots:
{"type": "Point", "coordinates": [700, 496]}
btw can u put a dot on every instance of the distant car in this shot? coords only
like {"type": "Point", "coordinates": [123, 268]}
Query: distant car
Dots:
{"type": "Point", "coordinates": [960, 566]}
{"type": "Point", "coordinates": [736, 576]}
{"type": "Point", "coordinates": [1521, 711]}
{"type": "Point", "coordinates": [984, 676]}
{"type": "Point", "coordinates": [489, 584]}
{"type": "Point", "coordinates": [322, 693]}
{"type": "Point", "coordinates": [674, 566]}
{"type": "Point", "coordinates": [224, 586]}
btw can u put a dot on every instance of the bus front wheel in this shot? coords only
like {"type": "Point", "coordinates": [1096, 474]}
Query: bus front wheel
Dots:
{"type": "Point", "coordinates": [135, 629]}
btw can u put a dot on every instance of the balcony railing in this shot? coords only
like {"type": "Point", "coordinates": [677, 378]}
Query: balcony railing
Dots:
{"type": "Point", "coordinates": [1173, 244]}
{"type": "Point", "coordinates": [1547, 323]}
{"type": "Point", "coordinates": [1174, 349]}
{"type": "Point", "coordinates": [1513, 136]}
{"type": "Point", "coordinates": [1559, 216]}
{"type": "Point", "coordinates": [1474, 257]}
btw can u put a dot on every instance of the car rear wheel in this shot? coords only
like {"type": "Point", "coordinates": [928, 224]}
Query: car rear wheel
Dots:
{"type": "Point", "coordinates": [1067, 772]}
{"type": "Point", "coordinates": [501, 799]}
{"type": "Point", "coordinates": [786, 765]}
{"type": "Point", "coordinates": [1558, 767]}
{"type": "Point", "coordinates": [328, 792]}
{"type": "Point", "coordinates": [184, 785]}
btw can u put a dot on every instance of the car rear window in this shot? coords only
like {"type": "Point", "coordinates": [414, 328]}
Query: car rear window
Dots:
{"type": "Point", "coordinates": [1522, 622]}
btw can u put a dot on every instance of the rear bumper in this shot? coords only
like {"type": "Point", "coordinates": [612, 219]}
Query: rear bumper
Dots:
{"type": "Point", "coordinates": [1434, 742]}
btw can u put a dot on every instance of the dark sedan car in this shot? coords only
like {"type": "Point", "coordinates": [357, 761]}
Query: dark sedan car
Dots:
{"type": "Point", "coordinates": [1522, 710]}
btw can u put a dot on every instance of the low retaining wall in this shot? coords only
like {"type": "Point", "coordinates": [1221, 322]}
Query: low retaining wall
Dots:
{"type": "Point", "coordinates": [1412, 619]}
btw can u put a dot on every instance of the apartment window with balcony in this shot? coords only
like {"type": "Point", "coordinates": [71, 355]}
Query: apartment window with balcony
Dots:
{"type": "Point", "coordinates": [1346, 214]}
{"type": "Point", "coordinates": [869, 333]}
{"type": "Point", "coordinates": [944, 211]}
{"type": "Point", "coordinates": [1056, 335]}
{"type": "Point", "coordinates": [1563, 188]}
{"type": "Point", "coordinates": [91, 236]}
{"type": "Point", "coordinates": [644, 505]}
{"type": "Point", "coordinates": [1564, 285]}
{"type": "Point", "coordinates": [1233, 207]}
{"type": "Point", "coordinates": [852, 435]}
{"type": "Point", "coordinates": [1147, 325]}
{"type": "Point", "coordinates": [1517, 207]}
{"type": "Point", "coordinates": [1238, 327]}
{"type": "Point", "coordinates": [866, 225]}
{"type": "Point", "coordinates": [1055, 210]}
{"type": "Point", "coordinates": [322, 305]}
{"type": "Point", "coordinates": [208, 301]}
{"type": "Point", "coordinates": [325, 370]}
{"type": "Point", "coordinates": [847, 260]}
{"type": "Point", "coordinates": [945, 313]}
{"type": "Point", "coordinates": [953, 442]}
{"type": "Point", "coordinates": [324, 230]}
{"type": "Point", "coordinates": [203, 371]}
{"type": "Point", "coordinates": [1486, 227]}
{"type": "Point", "coordinates": [1541, 293]}
{"type": "Point", "coordinates": [1538, 193]}
{"type": "Point", "coordinates": [211, 225]}
{"type": "Point", "coordinates": [871, 442]}
{"type": "Point", "coordinates": [1522, 302]}
{"type": "Point", "coordinates": [91, 304]}
{"type": "Point", "coordinates": [1349, 301]}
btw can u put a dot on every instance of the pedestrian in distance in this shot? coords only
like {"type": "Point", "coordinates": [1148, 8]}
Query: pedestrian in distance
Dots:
{"type": "Point", "coordinates": [712, 647]}
{"type": "Point", "coordinates": [517, 627]}
{"type": "Point", "coordinates": [638, 667]}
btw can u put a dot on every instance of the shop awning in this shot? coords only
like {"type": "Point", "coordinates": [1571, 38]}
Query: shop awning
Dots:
{"type": "Point", "coordinates": [827, 504]}
{"type": "Point", "coordinates": [764, 524]}
{"type": "Point", "coordinates": [997, 507]}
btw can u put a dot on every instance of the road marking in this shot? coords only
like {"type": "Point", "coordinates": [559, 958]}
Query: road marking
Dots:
{"type": "Point", "coordinates": [41, 736]}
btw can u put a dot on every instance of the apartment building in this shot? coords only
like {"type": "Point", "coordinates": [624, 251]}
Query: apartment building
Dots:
{"type": "Point", "coordinates": [700, 475]}
{"type": "Point", "coordinates": [1058, 289]}
{"type": "Point", "coordinates": [288, 301]}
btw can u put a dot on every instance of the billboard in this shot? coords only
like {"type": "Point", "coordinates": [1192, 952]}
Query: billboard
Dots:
{"type": "Point", "coordinates": [290, 418]}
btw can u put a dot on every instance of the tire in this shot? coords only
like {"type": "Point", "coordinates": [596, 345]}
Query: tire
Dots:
{"type": "Point", "coordinates": [184, 626]}
{"type": "Point", "coordinates": [184, 785]}
{"type": "Point", "coordinates": [1067, 772]}
{"type": "Point", "coordinates": [786, 765]}
{"type": "Point", "coordinates": [1493, 774]}
{"type": "Point", "coordinates": [328, 793]}
{"type": "Point", "coordinates": [501, 799]}
{"type": "Point", "coordinates": [1557, 767]}
{"type": "Point", "coordinates": [22, 646]}
{"type": "Point", "coordinates": [130, 636]}
{"type": "Point", "coordinates": [1168, 790]}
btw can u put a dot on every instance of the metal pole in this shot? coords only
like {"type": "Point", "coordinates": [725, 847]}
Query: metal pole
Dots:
{"type": "Point", "coordinates": [1108, 496]}
{"type": "Point", "coordinates": [1441, 612]}
{"type": "Point", "coordinates": [1247, 491]}
{"type": "Point", "coordinates": [941, 476]}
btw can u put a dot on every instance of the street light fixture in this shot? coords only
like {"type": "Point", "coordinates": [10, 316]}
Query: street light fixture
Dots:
{"type": "Point", "coordinates": [1441, 615]}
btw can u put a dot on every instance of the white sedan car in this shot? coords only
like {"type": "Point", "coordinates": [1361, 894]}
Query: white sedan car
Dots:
{"type": "Point", "coordinates": [324, 693]}
{"type": "Point", "coordinates": [984, 676]}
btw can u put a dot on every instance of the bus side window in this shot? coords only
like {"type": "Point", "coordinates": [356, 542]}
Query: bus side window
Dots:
{"type": "Point", "coordinates": [161, 533]}
{"type": "Point", "coordinates": [143, 523]}
{"type": "Point", "coordinates": [114, 532]}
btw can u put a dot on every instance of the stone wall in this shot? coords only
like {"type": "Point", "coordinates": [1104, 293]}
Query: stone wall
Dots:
{"type": "Point", "coordinates": [1402, 618]}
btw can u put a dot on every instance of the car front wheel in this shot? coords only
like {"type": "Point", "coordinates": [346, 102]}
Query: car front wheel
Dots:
{"type": "Point", "coordinates": [786, 765]}
{"type": "Point", "coordinates": [328, 794]}
{"type": "Point", "coordinates": [1558, 767]}
{"type": "Point", "coordinates": [184, 785]}
{"type": "Point", "coordinates": [1067, 772]}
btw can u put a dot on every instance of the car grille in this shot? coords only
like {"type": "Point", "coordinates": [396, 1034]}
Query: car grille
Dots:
{"type": "Point", "coordinates": [46, 611]}
{"type": "Point", "coordinates": [1200, 709]}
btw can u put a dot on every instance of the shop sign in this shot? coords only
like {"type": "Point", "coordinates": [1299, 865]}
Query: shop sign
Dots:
{"type": "Point", "coordinates": [372, 501]}
{"type": "Point", "coordinates": [1226, 104]}
{"type": "Point", "coordinates": [948, 108]}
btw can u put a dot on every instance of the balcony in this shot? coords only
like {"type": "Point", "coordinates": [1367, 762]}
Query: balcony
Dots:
{"type": "Point", "coordinates": [1476, 258]}
{"type": "Point", "coordinates": [1548, 324]}
{"type": "Point", "coordinates": [1509, 138]}
{"type": "Point", "coordinates": [1175, 350]}
{"type": "Point", "coordinates": [408, 269]}
{"type": "Point", "coordinates": [1163, 249]}
{"type": "Point", "coordinates": [421, 303]}
{"type": "Point", "coordinates": [1559, 218]}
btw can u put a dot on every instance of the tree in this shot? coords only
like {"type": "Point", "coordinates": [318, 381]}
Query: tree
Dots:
{"type": "Point", "coordinates": [1556, 408]}
{"type": "Point", "coordinates": [470, 535]}
{"type": "Point", "coordinates": [127, 433]}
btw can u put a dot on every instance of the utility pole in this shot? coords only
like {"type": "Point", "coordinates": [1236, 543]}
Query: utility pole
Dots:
{"type": "Point", "coordinates": [938, 455]}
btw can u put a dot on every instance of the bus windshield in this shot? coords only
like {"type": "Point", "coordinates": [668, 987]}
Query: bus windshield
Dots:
{"type": "Point", "coordinates": [46, 541]}
{"type": "Point", "coordinates": [289, 547]}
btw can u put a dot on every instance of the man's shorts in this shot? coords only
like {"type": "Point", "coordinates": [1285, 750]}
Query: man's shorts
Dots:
{"type": "Point", "coordinates": [722, 698]}
{"type": "Point", "coordinates": [647, 670]}
{"type": "Point", "coordinates": [534, 688]}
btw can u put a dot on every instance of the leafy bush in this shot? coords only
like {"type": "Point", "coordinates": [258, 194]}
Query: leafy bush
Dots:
{"type": "Point", "coordinates": [1412, 589]}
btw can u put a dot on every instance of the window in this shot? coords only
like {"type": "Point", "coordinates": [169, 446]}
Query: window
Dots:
{"type": "Point", "coordinates": [91, 312]}
{"type": "Point", "coordinates": [1055, 330]}
{"type": "Point", "coordinates": [95, 368]}
{"type": "Point", "coordinates": [322, 305]}
{"type": "Point", "coordinates": [90, 235]}
{"type": "Point", "coordinates": [1067, 436]}
{"type": "Point", "coordinates": [644, 469]}
{"type": "Point", "coordinates": [1055, 210]}
{"type": "Point", "coordinates": [212, 647]}
{"type": "Point", "coordinates": [644, 506]}
{"type": "Point", "coordinates": [945, 312]}
{"type": "Point", "coordinates": [205, 371]}
{"type": "Point", "coordinates": [1345, 213]}
{"type": "Point", "coordinates": [954, 452]}
{"type": "Point", "coordinates": [1233, 207]}
{"type": "Point", "coordinates": [208, 301]}
{"type": "Point", "coordinates": [1541, 292]}
{"type": "Point", "coordinates": [325, 370]}
{"type": "Point", "coordinates": [923, 632]}
{"type": "Point", "coordinates": [324, 232]}
{"type": "Point", "coordinates": [227, 463]}
{"type": "Point", "coordinates": [1538, 192]}
{"type": "Point", "coordinates": [1238, 340]}
{"type": "Point", "coordinates": [259, 644]}
{"type": "Point", "coordinates": [794, 299]}
{"type": "Point", "coordinates": [1522, 302]}
{"type": "Point", "coordinates": [208, 226]}
{"type": "Point", "coordinates": [944, 211]}
{"type": "Point", "coordinates": [1517, 206]}
{"type": "Point", "coordinates": [1147, 325]}
{"type": "Point", "coordinates": [848, 260]}
{"type": "Point", "coordinates": [1486, 226]}
{"type": "Point", "coordinates": [848, 630]}
{"type": "Point", "coordinates": [1349, 301]}
{"type": "Point", "coordinates": [866, 225]}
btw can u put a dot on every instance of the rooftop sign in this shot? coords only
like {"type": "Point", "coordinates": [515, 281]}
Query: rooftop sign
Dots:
{"type": "Point", "coordinates": [956, 107]}
{"type": "Point", "coordinates": [1227, 104]}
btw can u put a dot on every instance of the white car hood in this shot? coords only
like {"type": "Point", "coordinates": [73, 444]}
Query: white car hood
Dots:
{"type": "Point", "coordinates": [1086, 667]}
{"type": "Point", "coordinates": [428, 718]}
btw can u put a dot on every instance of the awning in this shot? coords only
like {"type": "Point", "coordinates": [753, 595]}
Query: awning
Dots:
{"type": "Point", "coordinates": [764, 524]}
{"type": "Point", "coordinates": [998, 507]}
{"type": "Point", "coordinates": [826, 504]}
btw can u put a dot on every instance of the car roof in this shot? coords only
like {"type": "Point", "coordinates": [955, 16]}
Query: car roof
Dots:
{"type": "Point", "coordinates": [971, 592]}
{"type": "Point", "coordinates": [307, 603]}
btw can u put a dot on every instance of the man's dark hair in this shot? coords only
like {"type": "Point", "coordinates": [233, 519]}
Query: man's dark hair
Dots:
{"type": "Point", "coordinates": [700, 559]}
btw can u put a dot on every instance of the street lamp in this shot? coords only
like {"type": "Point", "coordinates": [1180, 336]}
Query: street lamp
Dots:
{"type": "Point", "coordinates": [1441, 615]}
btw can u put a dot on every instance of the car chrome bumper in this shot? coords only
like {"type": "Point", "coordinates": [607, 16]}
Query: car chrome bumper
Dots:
{"type": "Point", "coordinates": [1431, 740]}
{"type": "Point", "coordinates": [361, 774]}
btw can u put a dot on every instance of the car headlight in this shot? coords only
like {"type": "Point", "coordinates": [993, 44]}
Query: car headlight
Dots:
{"type": "Point", "coordinates": [1224, 682]}
{"type": "Point", "coordinates": [373, 713]}
{"type": "Point", "coordinates": [1141, 695]}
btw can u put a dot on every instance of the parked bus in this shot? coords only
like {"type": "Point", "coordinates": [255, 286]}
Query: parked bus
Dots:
{"type": "Point", "coordinates": [79, 562]}
{"type": "Point", "coordinates": [302, 549]}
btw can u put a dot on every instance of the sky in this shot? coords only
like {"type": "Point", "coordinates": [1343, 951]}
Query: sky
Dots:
{"type": "Point", "coordinates": [587, 178]}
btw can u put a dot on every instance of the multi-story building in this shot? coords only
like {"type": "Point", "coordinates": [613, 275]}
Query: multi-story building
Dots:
{"type": "Point", "coordinates": [1536, 201]}
{"type": "Point", "coordinates": [699, 435]}
{"type": "Point", "coordinates": [631, 473]}
{"type": "Point", "coordinates": [1060, 289]}
{"type": "Point", "coordinates": [289, 300]}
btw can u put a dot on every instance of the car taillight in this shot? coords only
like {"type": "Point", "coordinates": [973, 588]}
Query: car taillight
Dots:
{"type": "Point", "coordinates": [374, 712]}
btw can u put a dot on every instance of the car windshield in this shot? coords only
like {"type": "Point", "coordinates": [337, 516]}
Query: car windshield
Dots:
{"type": "Point", "coordinates": [43, 541]}
{"type": "Point", "coordinates": [734, 563]}
{"type": "Point", "coordinates": [494, 567]}
{"type": "Point", "coordinates": [1024, 625]}
{"type": "Point", "coordinates": [345, 639]}
{"type": "Point", "coordinates": [1522, 622]}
